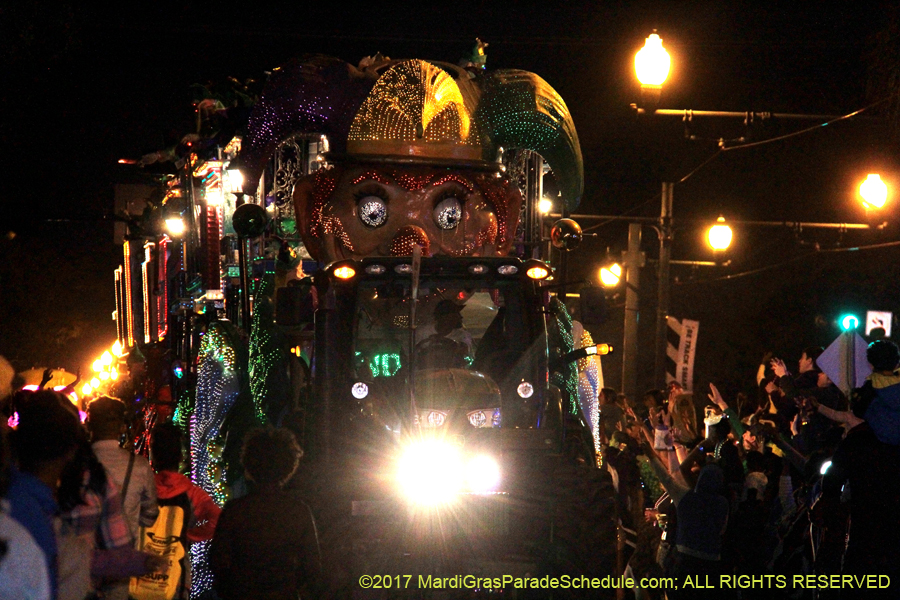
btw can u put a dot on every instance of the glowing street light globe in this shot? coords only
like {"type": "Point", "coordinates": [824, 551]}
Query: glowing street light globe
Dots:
{"type": "Point", "coordinates": [611, 275]}
{"type": "Point", "coordinates": [873, 191]}
{"type": "Point", "coordinates": [652, 62]}
{"type": "Point", "coordinates": [234, 180]}
{"type": "Point", "coordinates": [719, 235]}
{"type": "Point", "coordinates": [175, 226]}
{"type": "Point", "coordinates": [545, 205]}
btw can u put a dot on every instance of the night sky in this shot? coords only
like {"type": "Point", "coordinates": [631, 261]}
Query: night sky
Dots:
{"type": "Point", "coordinates": [81, 89]}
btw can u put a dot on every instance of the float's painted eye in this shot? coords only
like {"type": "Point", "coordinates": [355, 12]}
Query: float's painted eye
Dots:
{"type": "Point", "coordinates": [448, 213]}
{"type": "Point", "coordinates": [372, 211]}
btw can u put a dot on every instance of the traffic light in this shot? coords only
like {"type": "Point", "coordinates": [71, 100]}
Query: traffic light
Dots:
{"type": "Point", "coordinates": [849, 322]}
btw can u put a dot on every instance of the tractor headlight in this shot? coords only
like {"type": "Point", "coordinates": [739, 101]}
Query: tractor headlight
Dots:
{"type": "Point", "coordinates": [482, 474]}
{"type": "Point", "coordinates": [431, 472]}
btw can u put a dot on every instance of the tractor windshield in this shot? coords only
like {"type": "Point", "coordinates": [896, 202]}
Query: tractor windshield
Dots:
{"type": "Point", "coordinates": [475, 357]}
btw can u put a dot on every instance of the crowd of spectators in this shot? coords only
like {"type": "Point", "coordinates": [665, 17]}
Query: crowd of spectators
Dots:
{"type": "Point", "coordinates": [801, 480]}
{"type": "Point", "coordinates": [85, 517]}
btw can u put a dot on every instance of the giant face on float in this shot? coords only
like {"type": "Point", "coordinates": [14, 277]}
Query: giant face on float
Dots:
{"type": "Point", "coordinates": [356, 211]}
{"type": "Point", "coordinates": [413, 153]}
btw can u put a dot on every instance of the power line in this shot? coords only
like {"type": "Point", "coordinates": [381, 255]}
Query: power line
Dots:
{"type": "Point", "coordinates": [779, 138]}
{"type": "Point", "coordinates": [789, 261]}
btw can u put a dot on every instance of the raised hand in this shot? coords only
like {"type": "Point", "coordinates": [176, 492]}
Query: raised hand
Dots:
{"type": "Point", "coordinates": [716, 397]}
{"type": "Point", "coordinates": [795, 425]}
{"type": "Point", "coordinates": [778, 367]}
{"type": "Point", "coordinates": [47, 376]}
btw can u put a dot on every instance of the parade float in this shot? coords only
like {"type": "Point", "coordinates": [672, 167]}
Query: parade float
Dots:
{"type": "Point", "coordinates": [376, 285]}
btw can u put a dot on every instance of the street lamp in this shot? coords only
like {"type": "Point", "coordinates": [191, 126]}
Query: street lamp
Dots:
{"type": "Point", "coordinates": [652, 62]}
{"type": "Point", "coordinates": [234, 179]}
{"type": "Point", "coordinates": [651, 65]}
{"type": "Point", "coordinates": [611, 275]}
{"type": "Point", "coordinates": [873, 192]}
{"type": "Point", "coordinates": [545, 205]}
{"type": "Point", "coordinates": [719, 235]}
{"type": "Point", "coordinates": [175, 225]}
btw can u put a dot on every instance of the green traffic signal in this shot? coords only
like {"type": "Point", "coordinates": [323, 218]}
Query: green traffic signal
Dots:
{"type": "Point", "coordinates": [849, 322]}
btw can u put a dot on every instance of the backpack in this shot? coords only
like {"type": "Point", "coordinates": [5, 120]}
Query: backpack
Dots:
{"type": "Point", "coordinates": [166, 537]}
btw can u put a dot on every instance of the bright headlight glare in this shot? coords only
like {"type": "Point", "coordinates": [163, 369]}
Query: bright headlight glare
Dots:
{"type": "Point", "coordinates": [431, 472]}
{"type": "Point", "coordinates": [482, 474]}
{"type": "Point", "coordinates": [825, 466]}
{"type": "Point", "coordinates": [525, 390]}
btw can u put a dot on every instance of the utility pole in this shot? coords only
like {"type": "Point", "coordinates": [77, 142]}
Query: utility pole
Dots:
{"type": "Point", "coordinates": [633, 260]}
{"type": "Point", "coordinates": [662, 308]}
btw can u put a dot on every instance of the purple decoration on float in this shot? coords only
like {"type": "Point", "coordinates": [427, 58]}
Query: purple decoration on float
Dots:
{"type": "Point", "coordinates": [316, 94]}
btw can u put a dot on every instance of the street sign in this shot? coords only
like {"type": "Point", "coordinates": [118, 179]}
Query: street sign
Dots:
{"type": "Point", "coordinates": [844, 361]}
{"type": "Point", "coordinates": [879, 318]}
{"type": "Point", "coordinates": [685, 353]}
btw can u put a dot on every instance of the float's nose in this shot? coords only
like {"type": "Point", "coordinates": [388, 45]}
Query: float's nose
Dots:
{"type": "Point", "coordinates": [407, 237]}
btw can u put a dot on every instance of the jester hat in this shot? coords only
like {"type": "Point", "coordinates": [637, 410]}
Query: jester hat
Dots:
{"type": "Point", "coordinates": [413, 112]}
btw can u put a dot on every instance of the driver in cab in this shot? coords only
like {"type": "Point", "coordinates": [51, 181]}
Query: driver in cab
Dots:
{"type": "Point", "coordinates": [451, 345]}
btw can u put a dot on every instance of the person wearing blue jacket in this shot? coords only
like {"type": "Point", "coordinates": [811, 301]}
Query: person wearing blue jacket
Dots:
{"type": "Point", "coordinates": [883, 387]}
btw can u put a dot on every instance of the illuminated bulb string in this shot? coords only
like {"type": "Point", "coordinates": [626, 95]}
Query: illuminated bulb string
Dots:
{"type": "Point", "coordinates": [162, 300]}
{"type": "Point", "coordinates": [120, 325]}
{"type": "Point", "coordinates": [324, 183]}
{"type": "Point", "coordinates": [412, 183]}
{"type": "Point", "coordinates": [589, 384]}
{"type": "Point", "coordinates": [129, 313]}
{"type": "Point", "coordinates": [201, 575]}
{"type": "Point", "coordinates": [561, 341]}
{"type": "Point", "coordinates": [266, 354]}
{"type": "Point", "coordinates": [385, 365]}
{"type": "Point", "coordinates": [218, 386]}
{"type": "Point", "coordinates": [410, 101]}
{"type": "Point", "coordinates": [145, 283]}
